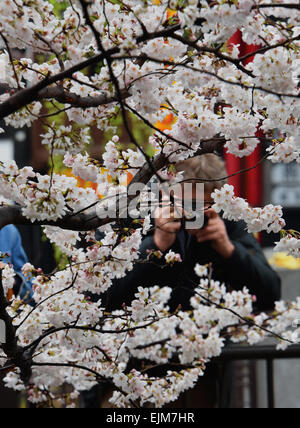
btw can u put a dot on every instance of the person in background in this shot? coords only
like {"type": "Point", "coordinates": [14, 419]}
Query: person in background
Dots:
{"type": "Point", "coordinates": [11, 246]}
{"type": "Point", "coordinates": [236, 256]}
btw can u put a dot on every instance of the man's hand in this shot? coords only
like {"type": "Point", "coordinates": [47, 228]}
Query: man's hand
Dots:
{"type": "Point", "coordinates": [168, 224]}
{"type": "Point", "coordinates": [216, 233]}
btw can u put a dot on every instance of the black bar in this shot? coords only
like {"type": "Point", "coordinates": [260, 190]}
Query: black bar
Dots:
{"type": "Point", "coordinates": [225, 386]}
{"type": "Point", "coordinates": [264, 352]}
{"type": "Point", "coordinates": [268, 353]}
{"type": "Point", "coordinates": [270, 384]}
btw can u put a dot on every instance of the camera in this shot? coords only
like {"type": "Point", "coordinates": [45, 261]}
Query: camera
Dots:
{"type": "Point", "coordinates": [195, 218]}
{"type": "Point", "coordinates": [194, 214]}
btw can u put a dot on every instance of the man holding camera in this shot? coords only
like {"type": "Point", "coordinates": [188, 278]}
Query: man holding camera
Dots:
{"type": "Point", "coordinates": [236, 257]}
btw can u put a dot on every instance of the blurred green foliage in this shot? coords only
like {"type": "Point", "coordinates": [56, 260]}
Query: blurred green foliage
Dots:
{"type": "Point", "coordinates": [59, 8]}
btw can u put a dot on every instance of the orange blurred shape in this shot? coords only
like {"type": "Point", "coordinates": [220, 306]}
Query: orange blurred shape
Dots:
{"type": "Point", "coordinates": [10, 295]}
{"type": "Point", "coordinates": [171, 13]}
{"type": "Point", "coordinates": [169, 120]}
{"type": "Point", "coordinates": [88, 184]}
{"type": "Point", "coordinates": [129, 178]}
{"type": "Point", "coordinates": [80, 182]}
{"type": "Point", "coordinates": [167, 123]}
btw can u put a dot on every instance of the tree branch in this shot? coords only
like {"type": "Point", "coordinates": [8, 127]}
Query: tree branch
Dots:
{"type": "Point", "coordinates": [65, 97]}
{"type": "Point", "coordinates": [268, 48]}
{"type": "Point", "coordinates": [210, 73]}
{"type": "Point", "coordinates": [86, 222]}
{"type": "Point", "coordinates": [97, 375]}
{"type": "Point", "coordinates": [277, 5]}
{"type": "Point", "coordinates": [29, 95]}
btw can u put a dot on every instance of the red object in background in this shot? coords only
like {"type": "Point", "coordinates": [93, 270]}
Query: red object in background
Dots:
{"type": "Point", "coordinates": [234, 165]}
{"type": "Point", "coordinates": [248, 185]}
{"type": "Point", "coordinates": [254, 178]}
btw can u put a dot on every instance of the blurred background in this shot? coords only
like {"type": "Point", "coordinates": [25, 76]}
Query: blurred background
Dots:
{"type": "Point", "coordinates": [268, 183]}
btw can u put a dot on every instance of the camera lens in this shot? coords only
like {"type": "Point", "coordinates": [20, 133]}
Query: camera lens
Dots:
{"type": "Point", "coordinates": [195, 217]}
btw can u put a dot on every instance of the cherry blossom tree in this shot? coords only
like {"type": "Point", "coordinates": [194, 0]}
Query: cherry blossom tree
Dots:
{"type": "Point", "coordinates": [92, 61]}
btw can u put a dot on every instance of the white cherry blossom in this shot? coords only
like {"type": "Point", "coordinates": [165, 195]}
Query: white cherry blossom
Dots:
{"type": "Point", "coordinates": [167, 60]}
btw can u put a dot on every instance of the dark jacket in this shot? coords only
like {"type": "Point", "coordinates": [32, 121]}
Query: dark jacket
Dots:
{"type": "Point", "coordinates": [247, 267]}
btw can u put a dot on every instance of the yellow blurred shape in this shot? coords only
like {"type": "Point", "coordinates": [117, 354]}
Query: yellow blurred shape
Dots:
{"type": "Point", "coordinates": [284, 261]}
